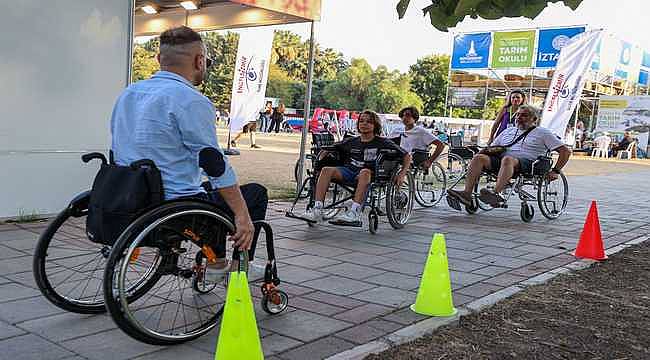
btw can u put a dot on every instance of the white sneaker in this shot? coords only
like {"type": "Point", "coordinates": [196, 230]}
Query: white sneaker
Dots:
{"type": "Point", "coordinates": [348, 218]}
{"type": "Point", "coordinates": [313, 215]}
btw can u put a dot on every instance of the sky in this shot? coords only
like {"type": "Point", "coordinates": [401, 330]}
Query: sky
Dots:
{"type": "Point", "coordinates": [371, 29]}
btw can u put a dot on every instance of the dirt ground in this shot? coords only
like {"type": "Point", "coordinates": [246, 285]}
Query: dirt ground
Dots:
{"type": "Point", "coordinates": [602, 312]}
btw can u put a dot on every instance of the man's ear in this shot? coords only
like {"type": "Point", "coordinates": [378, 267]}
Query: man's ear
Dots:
{"type": "Point", "coordinates": [158, 58]}
{"type": "Point", "coordinates": [197, 63]}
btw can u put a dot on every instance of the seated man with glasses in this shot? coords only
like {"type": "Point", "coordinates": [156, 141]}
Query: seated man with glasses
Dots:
{"type": "Point", "coordinates": [523, 144]}
{"type": "Point", "coordinates": [167, 120]}
{"type": "Point", "coordinates": [358, 154]}
{"type": "Point", "coordinates": [416, 139]}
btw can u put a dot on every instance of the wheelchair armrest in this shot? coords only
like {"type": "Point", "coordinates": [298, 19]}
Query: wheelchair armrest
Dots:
{"type": "Point", "coordinates": [94, 155]}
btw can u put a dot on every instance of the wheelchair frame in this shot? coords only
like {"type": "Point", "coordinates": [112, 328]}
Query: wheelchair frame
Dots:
{"type": "Point", "coordinates": [64, 240]}
{"type": "Point", "coordinates": [380, 187]}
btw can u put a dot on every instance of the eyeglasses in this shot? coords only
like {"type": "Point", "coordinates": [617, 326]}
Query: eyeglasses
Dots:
{"type": "Point", "coordinates": [522, 115]}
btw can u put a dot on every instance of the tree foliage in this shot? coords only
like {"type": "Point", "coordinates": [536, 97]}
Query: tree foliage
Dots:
{"type": "Point", "coordinates": [144, 63]}
{"type": "Point", "coordinates": [429, 77]}
{"type": "Point", "coordinates": [447, 13]}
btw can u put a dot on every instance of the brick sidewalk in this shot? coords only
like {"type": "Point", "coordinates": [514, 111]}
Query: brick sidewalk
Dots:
{"type": "Point", "coordinates": [347, 287]}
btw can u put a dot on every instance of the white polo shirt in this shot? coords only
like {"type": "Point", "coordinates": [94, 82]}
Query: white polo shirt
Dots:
{"type": "Point", "coordinates": [416, 138]}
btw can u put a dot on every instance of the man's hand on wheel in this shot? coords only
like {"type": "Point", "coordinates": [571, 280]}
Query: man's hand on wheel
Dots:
{"type": "Point", "coordinates": [426, 164]}
{"type": "Point", "coordinates": [243, 236]}
{"type": "Point", "coordinates": [551, 176]}
{"type": "Point", "coordinates": [399, 179]}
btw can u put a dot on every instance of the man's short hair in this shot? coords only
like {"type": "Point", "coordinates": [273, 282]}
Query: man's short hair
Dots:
{"type": "Point", "coordinates": [179, 36]}
{"type": "Point", "coordinates": [411, 109]}
{"type": "Point", "coordinates": [533, 111]}
{"type": "Point", "coordinates": [376, 121]}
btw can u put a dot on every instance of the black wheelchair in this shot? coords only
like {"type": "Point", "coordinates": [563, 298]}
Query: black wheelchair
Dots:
{"type": "Point", "coordinates": [398, 200]}
{"type": "Point", "coordinates": [551, 196]}
{"type": "Point", "coordinates": [429, 184]}
{"type": "Point", "coordinates": [151, 279]}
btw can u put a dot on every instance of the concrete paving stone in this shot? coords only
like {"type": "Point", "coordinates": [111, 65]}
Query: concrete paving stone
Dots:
{"type": "Point", "coordinates": [318, 349]}
{"type": "Point", "coordinates": [294, 290]}
{"type": "Point", "coordinates": [503, 261]}
{"type": "Point", "coordinates": [539, 279]}
{"type": "Point", "coordinates": [302, 325]}
{"type": "Point", "coordinates": [412, 247]}
{"type": "Point", "coordinates": [462, 244]}
{"type": "Point", "coordinates": [184, 352]}
{"type": "Point", "coordinates": [310, 261]}
{"type": "Point", "coordinates": [291, 244]}
{"type": "Point", "coordinates": [7, 331]}
{"type": "Point", "coordinates": [534, 257]}
{"type": "Point", "coordinates": [505, 279]}
{"type": "Point", "coordinates": [493, 250]}
{"type": "Point", "coordinates": [462, 254]}
{"type": "Point", "coordinates": [404, 316]}
{"type": "Point", "coordinates": [352, 271]}
{"type": "Point", "coordinates": [545, 250]}
{"type": "Point", "coordinates": [403, 267]}
{"type": "Point", "coordinates": [479, 290]}
{"type": "Point", "coordinates": [361, 334]}
{"type": "Point", "coordinates": [28, 347]}
{"type": "Point", "coordinates": [16, 234]}
{"type": "Point", "coordinates": [491, 270]}
{"type": "Point", "coordinates": [275, 344]}
{"type": "Point", "coordinates": [68, 325]}
{"type": "Point", "coordinates": [391, 297]}
{"type": "Point", "coordinates": [368, 248]}
{"type": "Point", "coordinates": [507, 244]}
{"type": "Point", "coordinates": [8, 227]}
{"type": "Point", "coordinates": [395, 280]}
{"type": "Point", "coordinates": [16, 265]}
{"type": "Point", "coordinates": [336, 300]}
{"type": "Point", "coordinates": [464, 278]}
{"type": "Point", "coordinates": [13, 291]}
{"type": "Point", "coordinates": [493, 298]}
{"type": "Point", "coordinates": [338, 285]}
{"type": "Point", "coordinates": [323, 250]}
{"type": "Point", "coordinates": [528, 271]}
{"type": "Point", "coordinates": [112, 344]}
{"type": "Point", "coordinates": [8, 253]}
{"type": "Point", "coordinates": [464, 265]}
{"type": "Point", "coordinates": [315, 306]}
{"type": "Point", "coordinates": [27, 309]}
{"type": "Point", "coordinates": [460, 299]}
{"type": "Point", "coordinates": [364, 313]}
{"type": "Point", "coordinates": [298, 274]}
{"type": "Point", "coordinates": [362, 259]}
{"type": "Point", "coordinates": [28, 245]}
{"type": "Point", "coordinates": [410, 256]}
{"type": "Point", "coordinates": [381, 324]}
{"type": "Point", "coordinates": [555, 261]}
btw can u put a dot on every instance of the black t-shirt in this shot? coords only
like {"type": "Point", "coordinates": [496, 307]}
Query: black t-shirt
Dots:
{"type": "Point", "coordinates": [359, 154]}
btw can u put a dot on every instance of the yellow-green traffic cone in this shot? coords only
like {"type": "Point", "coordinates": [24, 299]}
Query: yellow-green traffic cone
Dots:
{"type": "Point", "coordinates": [238, 337]}
{"type": "Point", "coordinates": [434, 295]}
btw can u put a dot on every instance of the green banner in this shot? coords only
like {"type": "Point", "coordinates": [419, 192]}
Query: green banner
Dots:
{"type": "Point", "coordinates": [513, 49]}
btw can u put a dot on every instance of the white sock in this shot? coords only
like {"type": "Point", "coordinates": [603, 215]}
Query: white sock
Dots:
{"type": "Point", "coordinates": [356, 207]}
{"type": "Point", "coordinates": [318, 204]}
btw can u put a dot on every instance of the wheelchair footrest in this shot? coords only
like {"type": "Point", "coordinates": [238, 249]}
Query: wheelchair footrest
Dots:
{"type": "Point", "coordinates": [453, 203]}
{"type": "Point", "coordinates": [345, 223]}
{"type": "Point", "coordinates": [291, 215]}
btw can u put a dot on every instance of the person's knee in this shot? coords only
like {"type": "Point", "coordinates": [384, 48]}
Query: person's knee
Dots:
{"type": "Point", "coordinates": [365, 175]}
{"type": "Point", "coordinates": [509, 161]}
{"type": "Point", "coordinates": [482, 160]}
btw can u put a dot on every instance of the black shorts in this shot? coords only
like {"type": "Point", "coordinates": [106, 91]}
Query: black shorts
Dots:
{"type": "Point", "coordinates": [525, 165]}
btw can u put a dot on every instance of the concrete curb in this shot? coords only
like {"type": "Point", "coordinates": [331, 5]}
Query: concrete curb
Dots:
{"type": "Point", "coordinates": [429, 325]}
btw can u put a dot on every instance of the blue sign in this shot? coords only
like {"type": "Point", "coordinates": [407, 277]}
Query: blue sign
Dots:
{"type": "Point", "coordinates": [646, 59]}
{"type": "Point", "coordinates": [620, 73]}
{"type": "Point", "coordinates": [625, 56]}
{"type": "Point", "coordinates": [643, 78]}
{"type": "Point", "coordinates": [471, 51]}
{"type": "Point", "coordinates": [550, 42]}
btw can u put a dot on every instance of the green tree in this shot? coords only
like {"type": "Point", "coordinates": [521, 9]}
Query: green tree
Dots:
{"type": "Point", "coordinates": [144, 63]}
{"type": "Point", "coordinates": [217, 85]}
{"type": "Point", "coordinates": [429, 80]}
{"type": "Point", "coordinates": [447, 13]}
{"type": "Point", "coordinates": [391, 91]}
{"type": "Point", "coordinates": [350, 88]}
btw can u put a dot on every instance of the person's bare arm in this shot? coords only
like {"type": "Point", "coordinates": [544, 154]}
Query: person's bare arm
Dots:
{"type": "Point", "coordinates": [495, 125]}
{"type": "Point", "coordinates": [440, 147]}
{"type": "Point", "coordinates": [406, 166]}
{"type": "Point", "coordinates": [564, 154]}
{"type": "Point", "coordinates": [243, 236]}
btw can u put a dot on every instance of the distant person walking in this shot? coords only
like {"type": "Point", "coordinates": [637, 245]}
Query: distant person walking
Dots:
{"type": "Point", "coordinates": [264, 122]}
{"type": "Point", "coordinates": [277, 118]}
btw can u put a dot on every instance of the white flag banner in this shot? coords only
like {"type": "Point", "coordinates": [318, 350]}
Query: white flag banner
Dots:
{"type": "Point", "coordinates": [568, 81]}
{"type": "Point", "coordinates": [251, 74]}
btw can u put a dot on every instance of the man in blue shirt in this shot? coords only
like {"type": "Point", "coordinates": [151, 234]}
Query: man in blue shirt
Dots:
{"type": "Point", "coordinates": [165, 119]}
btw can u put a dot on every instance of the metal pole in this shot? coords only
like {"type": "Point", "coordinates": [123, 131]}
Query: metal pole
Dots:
{"type": "Point", "coordinates": [305, 126]}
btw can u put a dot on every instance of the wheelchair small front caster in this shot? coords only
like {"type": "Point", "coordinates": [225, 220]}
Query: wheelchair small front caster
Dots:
{"type": "Point", "coordinates": [275, 301]}
{"type": "Point", "coordinates": [527, 212]}
{"type": "Point", "coordinates": [373, 222]}
{"type": "Point", "coordinates": [473, 208]}
{"type": "Point", "coordinates": [198, 278]}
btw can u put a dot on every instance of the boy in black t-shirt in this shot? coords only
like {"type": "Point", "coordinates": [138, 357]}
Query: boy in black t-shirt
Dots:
{"type": "Point", "coordinates": [359, 154]}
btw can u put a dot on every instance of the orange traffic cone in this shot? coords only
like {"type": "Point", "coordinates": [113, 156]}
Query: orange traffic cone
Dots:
{"type": "Point", "coordinates": [590, 245]}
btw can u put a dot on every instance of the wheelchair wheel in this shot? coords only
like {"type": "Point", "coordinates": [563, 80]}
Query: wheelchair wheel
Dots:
{"type": "Point", "coordinates": [430, 185]}
{"type": "Point", "coordinates": [488, 182]}
{"type": "Point", "coordinates": [527, 212]}
{"type": "Point", "coordinates": [169, 237]}
{"type": "Point", "coordinates": [275, 302]}
{"type": "Point", "coordinates": [199, 283]}
{"type": "Point", "coordinates": [373, 222]}
{"type": "Point", "coordinates": [334, 194]}
{"type": "Point", "coordinates": [454, 166]}
{"type": "Point", "coordinates": [399, 200]}
{"type": "Point", "coordinates": [68, 268]}
{"type": "Point", "coordinates": [473, 209]}
{"type": "Point", "coordinates": [306, 172]}
{"type": "Point", "coordinates": [552, 196]}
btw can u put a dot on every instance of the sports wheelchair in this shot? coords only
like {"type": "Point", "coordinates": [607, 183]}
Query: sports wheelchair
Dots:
{"type": "Point", "coordinates": [151, 279]}
{"type": "Point", "coordinates": [398, 200]}
{"type": "Point", "coordinates": [551, 196]}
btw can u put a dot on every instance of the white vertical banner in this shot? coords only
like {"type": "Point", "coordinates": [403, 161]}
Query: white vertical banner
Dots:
{"type": "Point", "coordinates": [251, 75]}
{"type": "Point", "coordinates": [568, 81]}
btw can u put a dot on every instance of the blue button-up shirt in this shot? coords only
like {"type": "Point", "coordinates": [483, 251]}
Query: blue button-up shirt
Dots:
{"type": "Point", "coordinates": [165, 119]}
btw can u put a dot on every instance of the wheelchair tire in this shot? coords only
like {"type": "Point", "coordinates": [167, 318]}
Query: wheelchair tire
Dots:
{"type": "Point", "coordinates": [548, 206]}
{"type": "Point", "coordinates": [373, 222]}
{"type": "Point", "coordinates": [269, 305]}
{"type": "Point", "coordinates": [198, 280]}
{"type": "Point", "coordinates": [53, 253]}
{"type": "Point", "coordinates": [399, 202]}
{"type": "Point", "coordinates": [307, 166]}
{"type": "Point", "coordinates": [527, 212]}
{"type": "Point", "coordinates": [157, 229]}
{"type": "Point", "coordinates": [428, 196]}
{"type": "Point", "coordinates": [472, 209]}
{"type": "Point", "coordinates": [455, 167]}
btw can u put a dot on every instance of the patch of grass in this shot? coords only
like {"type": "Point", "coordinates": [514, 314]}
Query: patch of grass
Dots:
{"type": "Point", "coordinates": [282, 193]}
{"type": "Point", "coordinates": [25, 217]}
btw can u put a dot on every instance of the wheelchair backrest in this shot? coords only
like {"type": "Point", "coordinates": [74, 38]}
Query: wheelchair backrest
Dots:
{"type": "Point", "coordinates": [455, 141]}
{"type": "Point", "coordinates": [319, 140]}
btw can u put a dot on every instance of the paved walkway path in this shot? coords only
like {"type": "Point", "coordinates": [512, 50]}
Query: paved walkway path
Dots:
{"type": "Point", "coordinates": [347, 287]}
